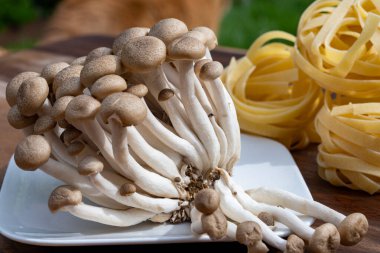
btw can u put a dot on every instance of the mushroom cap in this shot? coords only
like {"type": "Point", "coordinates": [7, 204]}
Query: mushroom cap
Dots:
{"type": "Point", "coordinates": [295, 244]}
{"type": "Point", "coordinates": [19, 121]}
{"type": "Point", "coordinates": [75, 148]}
{"type": "Point", "coordinates": [127, 108]}
{"type": "Point", "coordinates": [70, 87]}
{"type": "Point", "coordinates": [197, 35]}
{"type": "Point", "coordinates": [50, 71]}
{"type": "Point", "coordinates": [207, 201]}
{"type": "Point", "coordinates": [70, 134]}
{"type": "Point", "coordinates": [13, 86]}
{"type": "Point", "coordinates": [211, 71]}
{"type": "Point", "coordinates": [62, 196]}
{"type": "Point", "coordinates": [267, 218]}
{"type": "Point", "coordinates": [107, 85]}
{"type": "Point", "coordinates": [168, 30]}
{"type": "Point", "coordinates": [186, 48]}
{"type": "Point", "coordinates": [248, 232]}
{"type": "Point", "coordinates": [198, 65]}
{"type": "Point", "coordinates": [97, 52]}
{"type": "Point", "coordinates": [325, 239]}
{"type": "Point", "coordinates": [31, 95]}
{"type": "Point", "coordinates": [90, 165]}
{"type": "Point", "coordinates": [165, 94]}
{"type": "Point", "coordinates": [258, 247]}
{"type": "Point", "coordinates": [127, 189]}
{"type": "Point", "coordinates": [211, 40]}
{"type": "Point", "coordinates": [70, 71]}
{"type": "Point", "coordinates": [215, 224]}
{"type": "Point", "coordinates": [81, 107]}
{"type": "Point", "coordinates": [59, 107]}
{"type": "Point", "coordinates": [95, 69]}
{"type": "Point", "coordinates": [43, 124]}
{"type": "Point", "coordinates": [125, 36]}
{"type": "Point", "coordinates": [143, 54]}
{"type": "Point", "coordinates": [352, 229]}
{"type": "Point", "coordinates": [139, 90]}
{"type": "Point", "coordinates": [32, 152]}
{"type": "Point", "coordinates": [79, 61]}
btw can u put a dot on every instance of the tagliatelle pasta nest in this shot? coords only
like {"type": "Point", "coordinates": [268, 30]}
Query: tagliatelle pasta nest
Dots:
{"type": "Point", "coordinates": [147, 131]}
{"type": "Point", "coordinates": [273, 98]}
{"type": "Point", "coordinates": [350, 151]}
{"type": "Point", "coordinates": [338, 46]}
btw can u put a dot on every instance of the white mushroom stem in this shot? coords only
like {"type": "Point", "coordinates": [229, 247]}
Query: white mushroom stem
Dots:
{"type": "Point", "coordinates": [147, 180]}
{"type": "Point", "coordinates": [203, 99]}
{"type": "Point", "coordinates": [172, 140]}
{"type": "Point", "coordinates": [108, 216]}
{"type": "Point", "coordinates": [69, 175]}
{"type": "Point", "coordinates": [226, 119]}
{"type": "Point", "coordinates": [137, 200]}
{"type": "Point", "coordinates": [233, 210]}
{"type": "Point", "coordinates": [285, 216]}
{"type": "Point", "coordinates": [157, 160]}
{"type": "Point", "coordinates": [157, 144]}
{"type": "Point", "coordinates": [156, 81]}
{"type": "Point", "coordinates": [119, 141]}
{"type": "Point", "coordinates": [58, 149]}
{"type": "Point", "coordinates": [231, 230]}
{"type": "Point", "coordinates": [296, 203]}
{"type": "Point", "coordinates": [196, 223]}
{"type": "Point", "coordinates": [198, 117]}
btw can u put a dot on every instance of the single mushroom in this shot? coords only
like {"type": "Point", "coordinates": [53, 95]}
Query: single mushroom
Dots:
{"type": "Point", "coordinates": [207, 201]}
{"type": "Point", "coordinates": [50, 71]}
{"type": "Point", "coordinates": [267, 218]}
{"type": "Point", "coordinates": [79, 61]}
{"type": "Point", "coordinates": [43, 124]}
{"type": "Point", "coordinates": [295, 244]}
{"type": "Point", "coordinates": [125, 36]}
{"type": "Point", "coordinates": [19, 121]}
{"type": "Point", "coordinates": [168, 30]}
{"type": "Point", "coordinates": [68, 72]}
{"type": "Point", "coordinates": [95, 69]}
{"type": "Point", "coordinates": [96, 53]}
{"type": "Point", "coordinates": [69, 199]}
{"type": "Point", "coordinates": [325, 239]}
{"type": "Point", "coordinates": [215, 224]}
{"type": "Point", "coordinates": [70, 87]}
{"type": "Point", "coordinates": [139, 90]}
{"type": "Point", "coordinates": [31, 95]}
{"type": "Point", "coordinates": [210, 39]}
{"type": "Point", "coordinates": [107, 85]}
{"type": "Point", "coordinates": [13, 86]}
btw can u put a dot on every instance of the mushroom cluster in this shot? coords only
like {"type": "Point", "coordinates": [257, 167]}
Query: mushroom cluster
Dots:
{"type": "Point", "coordinates": [147, 131]}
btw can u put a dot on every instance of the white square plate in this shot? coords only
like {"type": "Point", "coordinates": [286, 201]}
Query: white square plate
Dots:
{"type": "Point", "coordinates": [25, 217]}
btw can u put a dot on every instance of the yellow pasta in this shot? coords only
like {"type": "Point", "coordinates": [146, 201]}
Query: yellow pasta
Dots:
{"type": "Point", "coordinates": [338, 46]}
{"type": "Point", "coordinates": [350, 151]}
{"type": "Point", "coordinates": [275, 88]}
{"type": "Point", "coordinates": [272, 97]}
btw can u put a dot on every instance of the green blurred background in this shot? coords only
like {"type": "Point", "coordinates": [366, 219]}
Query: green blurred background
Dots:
{"type": "Point", "coordinates": [21, 20]}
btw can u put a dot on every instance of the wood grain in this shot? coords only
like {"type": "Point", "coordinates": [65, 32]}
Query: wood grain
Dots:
{"type": "Point", "coordinates": [341, 199]}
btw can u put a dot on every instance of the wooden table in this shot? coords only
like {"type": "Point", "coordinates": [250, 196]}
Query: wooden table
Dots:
{"type": "Point", "coordinates": [341, 199]}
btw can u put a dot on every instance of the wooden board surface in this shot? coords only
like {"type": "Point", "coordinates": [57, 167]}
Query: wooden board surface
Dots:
{"type": "Point", "coordinates": [341, 199]}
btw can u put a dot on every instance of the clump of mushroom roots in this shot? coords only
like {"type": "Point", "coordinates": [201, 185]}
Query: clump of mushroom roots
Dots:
{"type": "Point", "coordinates": [147, 131]}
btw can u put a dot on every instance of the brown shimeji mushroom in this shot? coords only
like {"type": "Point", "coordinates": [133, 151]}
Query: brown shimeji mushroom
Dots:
{"type": "Point", "coordinates": [160, 148]}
